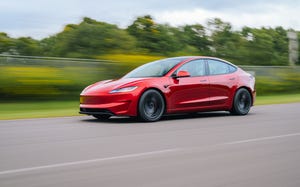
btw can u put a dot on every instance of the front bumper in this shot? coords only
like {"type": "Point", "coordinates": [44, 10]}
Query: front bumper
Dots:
{"type": "Point", "coordinates": [111, 104]}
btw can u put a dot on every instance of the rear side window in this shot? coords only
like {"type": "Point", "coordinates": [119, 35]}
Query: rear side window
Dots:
{"type": "Point", "coordinates": [232, 68]}
{"type": "Point", "coordinates": [217, 67]}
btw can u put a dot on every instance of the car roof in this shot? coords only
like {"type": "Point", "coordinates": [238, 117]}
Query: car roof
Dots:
{"type": "Point", "coordinates": [188, 58]}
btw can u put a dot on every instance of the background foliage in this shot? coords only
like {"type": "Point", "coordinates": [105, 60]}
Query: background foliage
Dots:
{"type": "Point", "coordinates": [25, 79]}
{"type": "Point", "coordinates": [122, 49]}
{"type": "Point", "coordinates": [91, 39]}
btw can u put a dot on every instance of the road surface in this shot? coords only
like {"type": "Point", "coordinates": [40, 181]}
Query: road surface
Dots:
{"type": "Point", "coordinates": [209, 149]}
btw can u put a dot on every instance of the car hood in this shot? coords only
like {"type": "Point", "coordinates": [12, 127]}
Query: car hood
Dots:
{"type": "Point", "coordinates": [109, 85]}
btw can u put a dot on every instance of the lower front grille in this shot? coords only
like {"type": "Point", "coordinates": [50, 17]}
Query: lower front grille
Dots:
{"type": "Point", "coordinates": [92, 111]}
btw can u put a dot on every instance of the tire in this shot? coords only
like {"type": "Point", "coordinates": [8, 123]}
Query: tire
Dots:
{"type": "Point", "coordinates": [241, 102]}
{"type": "Point", "coordinates": [102, 116]}
{"type": "Point", "coordinates": [151, 106]}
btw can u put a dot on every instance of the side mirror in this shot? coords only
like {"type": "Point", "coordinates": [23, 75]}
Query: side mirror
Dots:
{"type": "Point", "coordinates": [182, 74]}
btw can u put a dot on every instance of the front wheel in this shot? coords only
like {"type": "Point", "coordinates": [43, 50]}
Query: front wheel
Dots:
{"type": "Point", "coordinates": [242, 102]}
{"type": "Point", "coordinates": [151, 106]}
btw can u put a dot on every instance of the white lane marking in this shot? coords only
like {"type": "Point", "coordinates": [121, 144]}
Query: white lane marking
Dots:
{"type": "Point", "coordinates": [85, 161]}
{"type": "Point", "coordinates": [261, 139]}
{"type": "Point", "coordinates": [135, 155]}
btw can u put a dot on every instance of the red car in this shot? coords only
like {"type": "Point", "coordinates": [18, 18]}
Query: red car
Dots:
{"type": "Point", "coordinates": [172, 85]}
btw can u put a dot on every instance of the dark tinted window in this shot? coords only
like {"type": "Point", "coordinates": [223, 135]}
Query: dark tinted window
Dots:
{"type": "Point", "coordinates": [195, 68]}
{"type": "Point", "coordinates": [217, 67]}
{"type": "Point", "coordinates": [155, 69]}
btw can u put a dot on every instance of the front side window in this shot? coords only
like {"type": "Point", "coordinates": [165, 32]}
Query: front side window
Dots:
{"type": "Point", "coordinates": [195, 68]}
{"type": "Point", "coordinates": [217, 67]}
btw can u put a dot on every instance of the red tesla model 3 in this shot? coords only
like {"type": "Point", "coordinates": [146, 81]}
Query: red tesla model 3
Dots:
{"type": "Point", "coordinates": [172, 85]}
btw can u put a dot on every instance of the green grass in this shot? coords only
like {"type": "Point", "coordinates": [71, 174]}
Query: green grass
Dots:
{"type": "Point", "coordinates": [277, 99]}
{"type": "Point", "coordinates": [21, 110]}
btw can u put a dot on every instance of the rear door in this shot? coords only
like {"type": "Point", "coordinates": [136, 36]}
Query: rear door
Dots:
{"type": "Point", "coordinates": [222, 81]}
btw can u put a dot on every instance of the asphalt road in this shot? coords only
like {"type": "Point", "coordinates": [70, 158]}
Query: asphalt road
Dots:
{"type": "Point", "coordinates": [209, 149]}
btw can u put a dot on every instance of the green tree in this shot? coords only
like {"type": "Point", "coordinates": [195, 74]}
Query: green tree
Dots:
{"type": "Point", "coordinates": [225, 43]}
{"type": "Point", "coordinates": [298, 33]}
{"type": "Point", "coordinates": [27, 46]}
{"type": "Point", "coordinates": [153, 37]}
{"type": "Point", "coordinates": [89, 38]}
{"type": "Point", "coordinates": [266, 46]}
{"type": "Point", "coordinates": [196, 36]}
{"type": "Point", "coordinates": [6, 43]}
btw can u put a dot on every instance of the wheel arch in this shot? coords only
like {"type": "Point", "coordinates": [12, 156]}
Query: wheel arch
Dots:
{"type": "Point", "coordinates": [161, 93]}
{"type": "Point", "coordinates": [248, 89]}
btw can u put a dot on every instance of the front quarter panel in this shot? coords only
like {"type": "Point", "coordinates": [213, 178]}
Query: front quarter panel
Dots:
{"type": "Point", "coordinates": [125, 104]}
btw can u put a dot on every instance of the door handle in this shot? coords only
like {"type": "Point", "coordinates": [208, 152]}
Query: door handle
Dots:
{"type": "Point", "coordinates": [204, 80]}
{"type": "Point", "coordinates": [232, 79]}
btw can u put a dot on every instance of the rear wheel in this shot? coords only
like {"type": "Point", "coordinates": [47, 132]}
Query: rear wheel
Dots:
{"type": "Point", "coordinates": [242, 102]}
{"type": "Point", "coordinates": [151, 106]}
{"type": "Point", "coordinates": [102, 116]}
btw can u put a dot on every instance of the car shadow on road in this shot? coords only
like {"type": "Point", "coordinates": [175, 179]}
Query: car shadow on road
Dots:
{"type": "Point", "coordinates": [164, 118]}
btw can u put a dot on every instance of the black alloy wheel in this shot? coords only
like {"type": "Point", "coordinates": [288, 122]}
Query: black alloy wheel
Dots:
{"type": "Point", "coordinates": [242, 102]}
{"type": "Point", "coordinates": [151, 106]}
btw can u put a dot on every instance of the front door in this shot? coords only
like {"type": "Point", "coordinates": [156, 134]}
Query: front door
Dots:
{"type": "Point", "coordinates": [190, 93]}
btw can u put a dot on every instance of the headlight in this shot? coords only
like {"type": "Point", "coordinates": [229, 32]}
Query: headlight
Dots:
{"type": "Point", "coordinates": [126, 89]}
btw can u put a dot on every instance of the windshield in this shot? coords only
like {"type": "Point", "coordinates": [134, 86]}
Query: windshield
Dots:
{"type": "Point", "coordinates": [155, 69]}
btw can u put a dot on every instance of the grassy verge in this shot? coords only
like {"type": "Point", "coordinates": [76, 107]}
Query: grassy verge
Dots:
{"type": "Point", "coordinates": [277, 99]}
{"type": "Point", "coordinates": [21, 110]}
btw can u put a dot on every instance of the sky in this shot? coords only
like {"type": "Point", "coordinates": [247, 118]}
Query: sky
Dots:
{"type": "Point", "coordinates": [42, 18]}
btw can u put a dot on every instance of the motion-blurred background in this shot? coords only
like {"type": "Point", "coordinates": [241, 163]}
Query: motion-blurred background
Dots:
{"type": "Point", "coordinates": [44, 68]}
